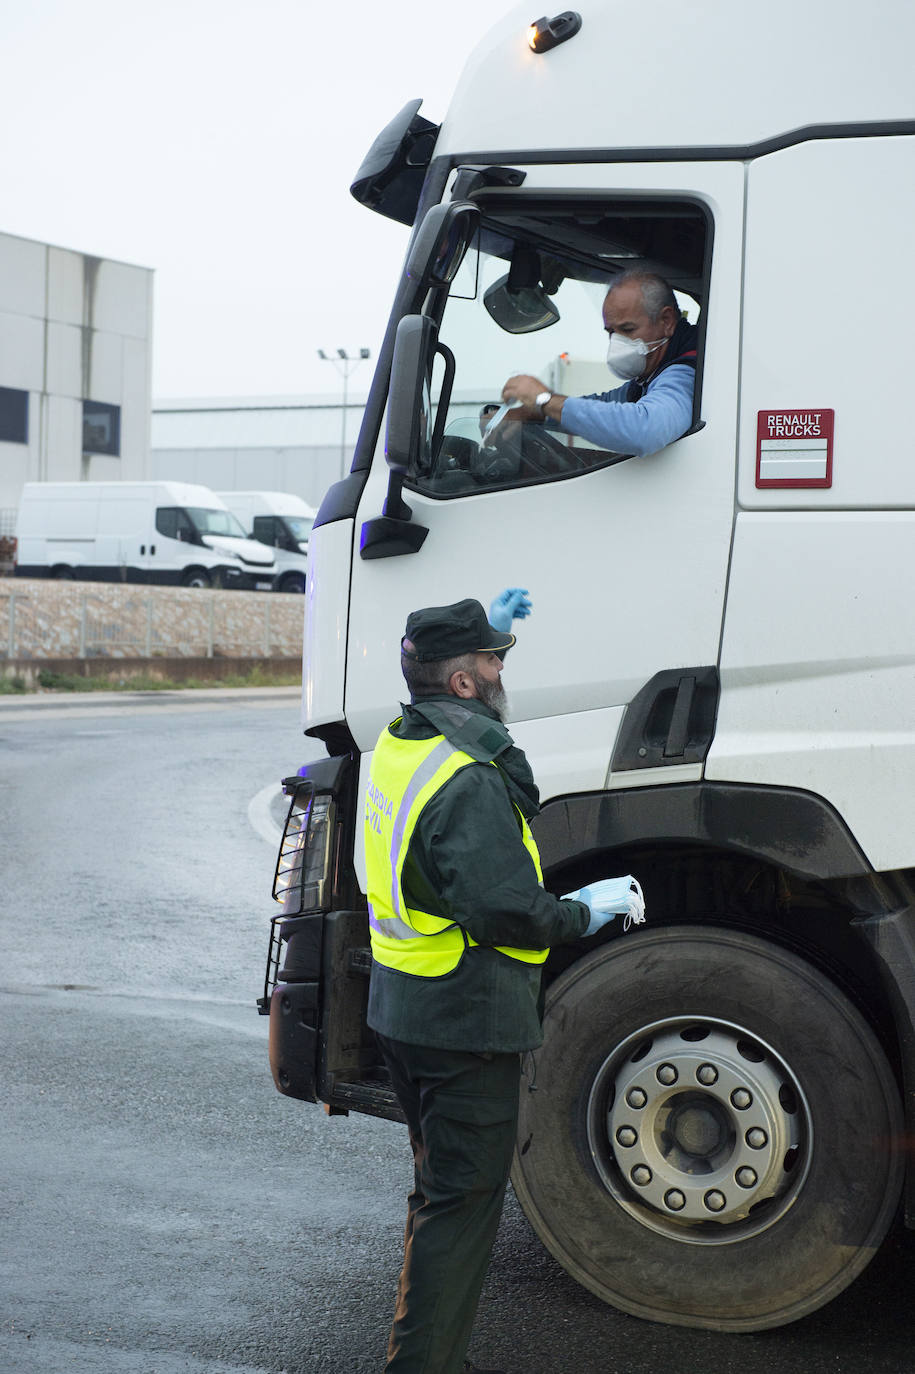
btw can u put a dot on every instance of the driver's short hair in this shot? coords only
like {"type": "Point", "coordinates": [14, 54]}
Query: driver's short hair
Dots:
{"type": "Point", "coordinates": [655, 291]}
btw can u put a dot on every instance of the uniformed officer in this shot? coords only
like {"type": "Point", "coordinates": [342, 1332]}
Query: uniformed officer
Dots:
{"type": "Point", "coordinates": [460, 928]}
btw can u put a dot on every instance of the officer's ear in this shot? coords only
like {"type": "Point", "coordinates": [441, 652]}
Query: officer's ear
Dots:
{"type": "Point", "coordinates": [461, 684]}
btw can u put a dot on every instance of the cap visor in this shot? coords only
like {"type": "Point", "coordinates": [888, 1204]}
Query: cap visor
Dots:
{"type": "Point", "coordinates": [500, 643]}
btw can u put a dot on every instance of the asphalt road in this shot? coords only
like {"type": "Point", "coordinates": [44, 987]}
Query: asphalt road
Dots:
{"type": "Point", "coordinates": [163, 1209]}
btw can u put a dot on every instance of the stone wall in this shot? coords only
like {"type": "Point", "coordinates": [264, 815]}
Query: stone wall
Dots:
{"type": "Point", "coordinates": [43, 620]}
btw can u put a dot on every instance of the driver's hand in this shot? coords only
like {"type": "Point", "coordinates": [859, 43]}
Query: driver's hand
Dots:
{"type": "Point", "coordinates": [486, 414]}
{"type": "Point", "coordinates": [526, 390]}
{"type": "Point", "coordinates": [506, 430]}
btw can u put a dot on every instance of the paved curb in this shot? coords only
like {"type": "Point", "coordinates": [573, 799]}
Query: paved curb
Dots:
{"type": "Point", "coordinates": [39, 701]}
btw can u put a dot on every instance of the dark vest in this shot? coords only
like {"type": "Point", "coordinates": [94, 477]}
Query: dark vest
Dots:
{"type": "Point", "coordinates": [681, 350]}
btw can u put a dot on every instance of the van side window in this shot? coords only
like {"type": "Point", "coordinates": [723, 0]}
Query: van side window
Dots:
{"type": "Point", "coordinates": [528, 302]}
{"type": "Point", "coordinates": [265, 529]}
{"type": "Point", "coordinates": [174, 523]}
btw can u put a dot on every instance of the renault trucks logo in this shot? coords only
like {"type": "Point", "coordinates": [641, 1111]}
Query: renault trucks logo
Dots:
{"type": "Point", "coordinates": [794, 448]}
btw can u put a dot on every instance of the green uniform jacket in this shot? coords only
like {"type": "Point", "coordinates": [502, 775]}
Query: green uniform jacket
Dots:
{"type": "Point", "coordinates": [467, 863]}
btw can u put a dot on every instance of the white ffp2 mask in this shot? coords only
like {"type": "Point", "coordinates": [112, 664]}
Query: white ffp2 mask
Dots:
{"type": "Point", "coordinates": [626, 357]}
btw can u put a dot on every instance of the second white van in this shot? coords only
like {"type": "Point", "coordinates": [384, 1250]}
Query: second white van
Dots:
{"type": "Point", "coordinates": [283, 521]}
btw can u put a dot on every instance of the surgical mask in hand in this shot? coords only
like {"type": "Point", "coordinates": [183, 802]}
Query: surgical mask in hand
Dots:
{"type": "Point", "coordinates": [626, 357]}
{"type": "Point", "coordinates": [610, 897]}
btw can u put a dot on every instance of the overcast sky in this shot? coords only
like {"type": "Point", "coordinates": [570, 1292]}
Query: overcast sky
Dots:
{"type": "Point", "coordinates": [215, 141]}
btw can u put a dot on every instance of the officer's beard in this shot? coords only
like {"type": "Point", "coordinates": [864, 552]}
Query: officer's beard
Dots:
{"type": "Point", "coordinates": [492, 694]}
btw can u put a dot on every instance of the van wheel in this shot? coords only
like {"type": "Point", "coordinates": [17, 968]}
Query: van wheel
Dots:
{"type": "Point", "coordinates": [291, 582]}
{"type": "Point", "coordinates": [62, 573]}
{"type": "Point", "coordinates": [713, 1139]}
{"type": "Point", "coordinates": [195, 577]}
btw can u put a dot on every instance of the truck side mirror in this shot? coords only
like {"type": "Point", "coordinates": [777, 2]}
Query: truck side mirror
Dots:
{"type": "Point", "coordinates": [440, 244]}
{"type": "Point", "coordinates": [408, 440]}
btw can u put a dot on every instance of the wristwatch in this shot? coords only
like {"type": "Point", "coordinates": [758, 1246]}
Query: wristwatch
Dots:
{"type": "Point", "coordinates": [543, 398]}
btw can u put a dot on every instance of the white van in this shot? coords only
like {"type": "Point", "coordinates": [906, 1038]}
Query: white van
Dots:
{"type": "Point", "coordinates": [281, 520]}
{"type": "Point", "coordinates": [169, 532]}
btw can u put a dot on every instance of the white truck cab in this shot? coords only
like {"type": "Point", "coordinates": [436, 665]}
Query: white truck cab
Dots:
{"type": "Point", "coordinates": [174, 533]}
{"type": "Point", "coordinates": [281, 520]}
{"type": "Point", "coordinates": [716, 689]}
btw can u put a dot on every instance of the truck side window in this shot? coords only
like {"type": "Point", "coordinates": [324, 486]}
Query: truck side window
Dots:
{"type": "Point", "coordinates": [527, 301]}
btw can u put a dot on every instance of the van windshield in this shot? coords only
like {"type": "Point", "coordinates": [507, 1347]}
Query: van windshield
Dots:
{"type": "Point", "coordinates": [215, 522]}
{"type": "Point", "coordinates": [299, 527]}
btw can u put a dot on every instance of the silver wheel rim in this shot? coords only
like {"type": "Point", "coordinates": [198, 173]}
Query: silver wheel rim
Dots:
{"type": "Point", "coordinates": [699, 1130]}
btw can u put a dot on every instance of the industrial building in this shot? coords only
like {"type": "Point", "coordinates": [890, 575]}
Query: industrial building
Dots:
{"type": "Point", "coordinates": [75, 367]}
{"type": "Point", "coordinates": [298, 444]}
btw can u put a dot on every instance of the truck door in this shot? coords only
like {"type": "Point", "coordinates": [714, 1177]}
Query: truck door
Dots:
{"type": "Point", "coordinates": [625, 558]}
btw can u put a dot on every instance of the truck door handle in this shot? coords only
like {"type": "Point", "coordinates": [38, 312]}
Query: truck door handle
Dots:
{"type": "Point", "coordinates": [670, 720]}
{"type": "Point", "coordinates": [677, 731]}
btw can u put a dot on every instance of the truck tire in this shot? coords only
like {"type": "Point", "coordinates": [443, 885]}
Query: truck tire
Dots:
{"type": "Point", "coordinates": [197, 577]}
{"type": "Point", "coordinates": [712, 1138]}
{"type": "Point", "coordinates": [63, 573]}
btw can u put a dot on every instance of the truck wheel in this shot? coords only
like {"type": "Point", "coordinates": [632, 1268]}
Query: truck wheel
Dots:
{"type": "Point", "coordinates": [195, 577]}
{"type": "Point", "coordinates": [63, 573]}
{"type": "Point", "coordinates": [713, 1138]}
{"type": "Point", "coordinates": [291, 582]}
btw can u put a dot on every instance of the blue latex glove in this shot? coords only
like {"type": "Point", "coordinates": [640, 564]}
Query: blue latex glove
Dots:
{"type": "Point", "coordinates": [512, 604]}
{"type": "Point", "coordinates": [609, 898]}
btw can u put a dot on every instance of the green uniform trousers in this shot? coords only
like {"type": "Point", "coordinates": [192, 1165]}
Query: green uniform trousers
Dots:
{"type": "Point", "coordinates": [462, 1113]}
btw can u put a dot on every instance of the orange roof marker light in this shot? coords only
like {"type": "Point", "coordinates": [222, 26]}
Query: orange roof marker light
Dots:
{"type": "Point", "coordinates": [545, 33]}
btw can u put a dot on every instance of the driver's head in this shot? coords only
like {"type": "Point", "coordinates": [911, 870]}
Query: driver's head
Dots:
{"type": "Point", "coordinates": [641, 305]}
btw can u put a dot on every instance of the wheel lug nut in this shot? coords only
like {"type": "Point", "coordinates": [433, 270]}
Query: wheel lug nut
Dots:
{"type": "Point", "coordinates": [714, 1200]}
{"type": "Point", "coordinates": [641, 1175]}
{"type": "Point", "coordinates": [741, 1099]}
{"type": "Point", "coordinates": [666, 1074]}
{"type": "Point", "coordinates": [636, 1097]}
{"type": "Point", "coordinates": [746, 1177]}
{"type": "Point", "coordinates": [675, 1200]}
{"type": "Point", "coordinates": [627, 1137]}
{"type": "Point", "coordinates": [707, 1074]}
{"type": "Point", "coordinates": [757, 1138]}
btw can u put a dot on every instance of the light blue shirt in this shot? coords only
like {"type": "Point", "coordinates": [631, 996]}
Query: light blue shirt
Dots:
{"type": "Point", "coordinates": [639, 427]}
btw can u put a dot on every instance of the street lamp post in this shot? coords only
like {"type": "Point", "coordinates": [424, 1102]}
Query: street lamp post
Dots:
{"type": "Point", "coordinates": [345, 363]}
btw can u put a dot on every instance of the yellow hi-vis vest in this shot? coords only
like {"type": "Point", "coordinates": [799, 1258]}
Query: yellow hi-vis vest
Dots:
{"type": "Point", "coordinates": [404, 776]}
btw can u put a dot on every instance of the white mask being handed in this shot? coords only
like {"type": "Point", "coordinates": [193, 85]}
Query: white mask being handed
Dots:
{"type": "Point", "coordinates": [626, 357]}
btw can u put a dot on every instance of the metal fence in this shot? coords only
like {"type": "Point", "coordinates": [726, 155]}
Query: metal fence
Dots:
{"type": "Point", "coordinates": [55, 620]}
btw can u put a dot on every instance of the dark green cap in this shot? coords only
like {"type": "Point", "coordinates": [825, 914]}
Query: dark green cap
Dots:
{"type": "Point", "coordinates": [438, 632]}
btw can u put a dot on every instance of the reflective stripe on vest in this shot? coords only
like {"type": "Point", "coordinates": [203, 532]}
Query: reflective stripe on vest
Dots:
{"type": "Point", "coordinates": [405, 775]}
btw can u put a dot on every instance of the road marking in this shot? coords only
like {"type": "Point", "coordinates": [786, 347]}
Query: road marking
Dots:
{"type": "Point", "coordinates": [260, 816]}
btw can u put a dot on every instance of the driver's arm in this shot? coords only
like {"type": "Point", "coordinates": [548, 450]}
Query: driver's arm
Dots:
{"type": "Point", "coordinates": [641, 427]}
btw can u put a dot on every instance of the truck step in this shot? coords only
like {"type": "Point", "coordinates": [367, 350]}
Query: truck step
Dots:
{"type": "Point", "coordinates": [367, 1096]}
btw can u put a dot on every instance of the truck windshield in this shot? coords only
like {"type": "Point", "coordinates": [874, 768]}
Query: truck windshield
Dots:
{"type": "Point", "coordinates": [527, 301]}
{"type": "Point", "coordinates": [215, 522]}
